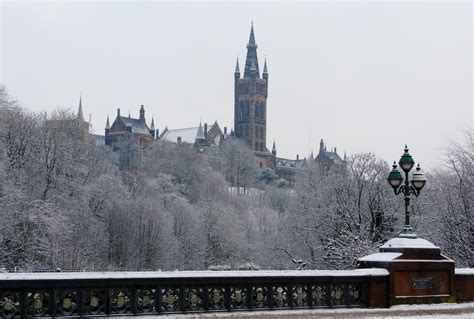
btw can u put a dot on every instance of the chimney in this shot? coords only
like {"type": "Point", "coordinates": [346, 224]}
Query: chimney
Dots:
{"type": "Point", "coordinates": [118, 112]}
{"type": "Point", "coordinates": [297, 157]}
{"type": "Point", "coordinates": [225, 130]}
{"type": "Point", "coordinates": [335, 150]}
{"type": "Point", "coordinates": [205, 130]}
{"type": "Point", "coordinates": [179, 139]}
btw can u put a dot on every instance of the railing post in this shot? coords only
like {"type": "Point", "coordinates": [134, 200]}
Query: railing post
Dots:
{"type": "Point", "coordinates": [309, 291]}
{"type": "Point", "coordinates": [227, 301]}
{"type": "Point", "coordinates": [81, 302]}
{"type": "Point", "coordinates": [134, 300]}
{"type": "Point", "coordinates": [23, 304]}
{"type": "Point", "coordinates": [328, 293]}
{"type": "Point", "coordinates": [270, 295]}
{"type": "Point", "coordinates": [346, 295]}
{"type": "Point", "coordinates": [181, 299]}
{"type": "Point", "coordinates": [249, 297]}
{"type": "Point", "coordinates": [158, 297]}
{"type": "Point", "coordinates": [108, 302]}
{"type": "Point", "coordinates": [53, 301]}
{"type": "Point", "coordinates": [206, 298]}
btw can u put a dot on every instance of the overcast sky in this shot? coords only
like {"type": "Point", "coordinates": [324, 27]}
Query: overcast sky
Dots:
{"type": "Point", "coordinates": [365, 76]}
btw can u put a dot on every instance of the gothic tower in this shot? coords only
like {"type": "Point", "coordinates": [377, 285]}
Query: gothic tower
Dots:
{"type": "Point", "coordinates": [250, 100]}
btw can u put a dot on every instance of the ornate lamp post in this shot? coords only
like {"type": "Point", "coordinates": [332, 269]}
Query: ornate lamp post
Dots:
{"type": "Point", "coordinates": [395, 180]}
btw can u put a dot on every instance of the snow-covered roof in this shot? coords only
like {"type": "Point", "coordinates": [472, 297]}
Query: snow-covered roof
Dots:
{"type": "Point", "coordinates": [408, 243]}
{"type": "Point", "coordinates": [138, 126]}
{"type": "Point", "coordinates": [193, 274]}
{"type": "Point", "coordinates": [188, 135]}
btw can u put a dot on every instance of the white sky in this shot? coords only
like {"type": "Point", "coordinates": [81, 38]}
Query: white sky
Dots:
{"type": "Point", "coordinates": [365, 76]}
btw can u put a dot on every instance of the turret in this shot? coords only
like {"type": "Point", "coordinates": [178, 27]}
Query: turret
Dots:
{"type": "Point", "coordinates": [237, 70]}
{"type": "Point", "coordinates": [142, 113]}
{"type": "Point", "coordinates": [152, 128]}
{"type": "Point", "coordinates": [107, 130]}
{"type": "Point", "coordinates": [200, 138]}
{"type": "Point", "coordinates": [265, 71]}
{"type": "Point", "coordinates": [80, 114]}
{"type": "Point", "coordinates": [321, 146]}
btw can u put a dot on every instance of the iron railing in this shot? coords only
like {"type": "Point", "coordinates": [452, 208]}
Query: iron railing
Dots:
{"type": "Point", "coordinates": [134, 293]}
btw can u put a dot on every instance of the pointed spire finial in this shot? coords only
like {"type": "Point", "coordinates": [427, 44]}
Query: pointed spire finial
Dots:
{"type": "Point", "coordinates": [237, 67]}
{"type": "Point", "coordinates": [80, 114]}
{"type": "Point", "coordinates": [265, 69]}
{"type": "Point", "coordinates": [107, 124]}
{"type": "Point", "coordinates": [200, 133]}
{"type": "Point", "coordinates": [252, 36]}
{"type": "Point", "coordinates": [152, 127]}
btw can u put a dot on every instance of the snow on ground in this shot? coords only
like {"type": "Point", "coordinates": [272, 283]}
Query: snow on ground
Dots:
{"type": "Point", "coordinates": [191, 274]}
{"type": "Point", "coordinates": [435, 311]}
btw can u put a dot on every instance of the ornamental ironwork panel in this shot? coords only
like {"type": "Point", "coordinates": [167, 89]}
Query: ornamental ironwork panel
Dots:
{"type": "Point", "coordinates": [38, 303]}
{"type": "Point", "coordinates": [120, 300]}
{"type": "Point", "coordinates": [67, 302]}
{"type": "Point", "coordinates": [280, 297]}
{"type": "Point", "coordinates": [146, 300]}
{"type": "Point", "coordinates": [320, 296]}
{"type": "Point", "coordinates": [95, 301]}
{"type": "Point", "coordinates": [356, 294]}
{"type": "Point", "coordinates": [216, 298]}
{"type": "Point", "coordinates": [338, 295]}
{"type": "Point", "coordinates": [238, 298]}
{"type": "Point", "coordinates": [194, 300]}
{"type": "Point", "coordinates": [170, 300]}
{"type": "Point", "coordinates": [167, 294]}
{"type": "Point", "coordinates": [260, 298]}
{"type": "Point", "coordinates": [299, 295]}
{"type": "Point", "coordinates": [9, 304]}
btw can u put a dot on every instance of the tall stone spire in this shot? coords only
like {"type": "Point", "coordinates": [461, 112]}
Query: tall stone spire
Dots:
{"type": "Point", "coordinates": [251, 55]}
{"type": "Point", "coordinates": [80, 114]}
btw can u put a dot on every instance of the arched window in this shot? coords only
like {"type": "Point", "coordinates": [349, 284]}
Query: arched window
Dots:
{"type": "Point", "coordinates": [241, 109]}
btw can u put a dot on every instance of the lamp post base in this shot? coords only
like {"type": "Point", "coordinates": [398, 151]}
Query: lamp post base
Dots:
{"type": "Point", "coordinates": [407, 232]}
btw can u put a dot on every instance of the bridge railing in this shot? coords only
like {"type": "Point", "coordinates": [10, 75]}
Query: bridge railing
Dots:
{"type": "Point", "coordinates": [132, 293]}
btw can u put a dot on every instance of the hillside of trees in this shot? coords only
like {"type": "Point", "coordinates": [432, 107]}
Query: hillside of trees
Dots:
{"type": "Point", "coordinates": [65, 203]}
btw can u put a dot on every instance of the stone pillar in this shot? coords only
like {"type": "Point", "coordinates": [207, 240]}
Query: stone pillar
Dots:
{"type": "Point", "coordinates": [419, 273]}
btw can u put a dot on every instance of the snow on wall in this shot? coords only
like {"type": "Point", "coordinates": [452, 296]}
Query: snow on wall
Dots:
{"type": "Point", "coordinates": [408, 243]}
{"type": "Point", "coordinates": [193, 274]}
{"type": "Point", "coordinates": [381, 257]}
{"type": "Point", "coordinates": [464, 271]}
